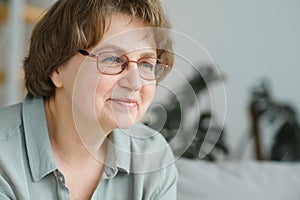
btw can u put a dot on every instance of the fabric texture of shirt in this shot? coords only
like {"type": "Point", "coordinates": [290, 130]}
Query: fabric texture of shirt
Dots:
{"type": "Point", "coordinates": [140, 164]}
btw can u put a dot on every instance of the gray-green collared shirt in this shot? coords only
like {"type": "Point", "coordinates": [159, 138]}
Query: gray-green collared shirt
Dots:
{"type": "Point", "coordinates": [140, 163]}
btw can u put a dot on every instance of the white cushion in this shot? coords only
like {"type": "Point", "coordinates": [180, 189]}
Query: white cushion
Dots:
{"type": "Point", "coordinates": [244, 180]}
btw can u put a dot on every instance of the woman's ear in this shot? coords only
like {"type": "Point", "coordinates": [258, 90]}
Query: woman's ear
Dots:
{"type": "Point", "coordinates": [56, 78]}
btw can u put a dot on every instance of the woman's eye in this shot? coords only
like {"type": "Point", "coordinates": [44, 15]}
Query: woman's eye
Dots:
{"type": "Point", "coordinates": [147, 65]}
{"type": "Point", "coordinates": [111, 59]}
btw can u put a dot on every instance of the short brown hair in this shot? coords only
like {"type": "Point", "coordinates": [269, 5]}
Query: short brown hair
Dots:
{"type": "Point", "coordinates": [71, 25]}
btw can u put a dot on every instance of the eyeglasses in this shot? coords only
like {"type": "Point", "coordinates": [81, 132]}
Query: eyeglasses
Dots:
{"type": "Point", "coordinates": [112, 63]}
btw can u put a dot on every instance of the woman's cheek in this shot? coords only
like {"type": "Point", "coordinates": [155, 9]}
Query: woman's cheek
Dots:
{"type": "Point", "coordinates": [147, 94]}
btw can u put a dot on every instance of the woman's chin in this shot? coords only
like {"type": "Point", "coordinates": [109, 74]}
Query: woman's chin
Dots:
{"type": "Point", "coordinates": [124, 124]}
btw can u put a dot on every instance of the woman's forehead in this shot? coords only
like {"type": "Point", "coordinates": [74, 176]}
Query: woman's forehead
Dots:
{"type": "Point", "coordinates": [129, 41]}
{"type": "Point", "coordinates": [128, 33]}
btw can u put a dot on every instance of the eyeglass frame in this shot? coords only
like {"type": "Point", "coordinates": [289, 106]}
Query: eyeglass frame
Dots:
{"type": "Point", "coordinates": [165, 70]}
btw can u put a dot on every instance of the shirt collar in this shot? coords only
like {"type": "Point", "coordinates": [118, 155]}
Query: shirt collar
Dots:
{"type": "Point", "coordinates": [118, 153]}
{"type": "Point", "coordinates": [40, 156]}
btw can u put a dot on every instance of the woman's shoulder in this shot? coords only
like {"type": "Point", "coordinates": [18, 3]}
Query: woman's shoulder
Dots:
{"type": "Point", "coordinates": [11, 119]}
{"type": "Point", "coordinates": [149, 149]}
{"type": "Point", "coordinates": [145, 138]}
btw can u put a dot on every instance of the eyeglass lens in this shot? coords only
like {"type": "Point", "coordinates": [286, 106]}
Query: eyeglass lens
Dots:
{"type": "Point", "coordinates": [110, 63]}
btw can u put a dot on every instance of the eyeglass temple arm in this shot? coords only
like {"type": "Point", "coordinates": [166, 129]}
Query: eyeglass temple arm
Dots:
{"type": "Point", "coordinates": [86, 53]}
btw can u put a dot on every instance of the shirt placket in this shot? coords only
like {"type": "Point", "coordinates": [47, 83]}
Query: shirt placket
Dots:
{"type": "Point", "coordinates": [62, 190]}
{"type": "Point", "coordinates": [108, 173]}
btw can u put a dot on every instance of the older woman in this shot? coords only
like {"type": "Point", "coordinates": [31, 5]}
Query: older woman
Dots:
{"type": "Point", "coordinates": [91, 73]}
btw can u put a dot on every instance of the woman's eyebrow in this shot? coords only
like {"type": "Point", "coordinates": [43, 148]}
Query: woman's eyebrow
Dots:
{"type": "Point", "coordinates": [148, 54]}
{"type": "Point", "coordinates": [110, 48]}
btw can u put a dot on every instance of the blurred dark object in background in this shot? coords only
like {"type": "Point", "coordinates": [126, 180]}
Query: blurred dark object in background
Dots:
{"type": "Point", "coordinates": [208, 143]}
{"type": "Point", "coordinates": [275, 127]}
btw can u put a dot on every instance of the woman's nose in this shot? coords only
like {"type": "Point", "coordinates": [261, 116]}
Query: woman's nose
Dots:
{"type": "Point", "coordinates": [131, 78]}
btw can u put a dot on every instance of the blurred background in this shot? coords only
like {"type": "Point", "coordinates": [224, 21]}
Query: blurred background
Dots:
{"type": "Point", "coordinates": [254, 47]}
{"type": "Point", "coordinates": [254, 44]}
{"type": "Point", "coordinates": [251, 42]}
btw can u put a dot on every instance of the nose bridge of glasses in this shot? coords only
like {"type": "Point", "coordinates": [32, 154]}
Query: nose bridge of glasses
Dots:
{"type": "Point", "coordinates": [132, 61]}
{"type": "Point", "coordinates": [127, 62]}
{"type": "Point", "coordinates": [133, 68]}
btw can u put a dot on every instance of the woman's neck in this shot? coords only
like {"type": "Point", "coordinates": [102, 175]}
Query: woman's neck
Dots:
{"type": "Point", "coordinates": [81, 168]}
{"type": "Point", "coordinates": [69, 143]}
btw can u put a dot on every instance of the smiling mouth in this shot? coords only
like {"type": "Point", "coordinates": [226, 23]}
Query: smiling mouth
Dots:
{"type": "Point", "coordinates": [129, 103]}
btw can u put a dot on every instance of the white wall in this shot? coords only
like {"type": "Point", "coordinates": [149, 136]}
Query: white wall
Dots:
{"type": "Point", "coordinates": [248, 39]}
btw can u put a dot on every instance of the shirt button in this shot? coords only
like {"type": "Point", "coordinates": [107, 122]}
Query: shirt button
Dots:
{"type": "Point", "coordinates": [61, 179]}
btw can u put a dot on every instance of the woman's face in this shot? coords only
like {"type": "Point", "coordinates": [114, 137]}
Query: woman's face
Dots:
{"type": "Point", "coordinates": [113, 101]}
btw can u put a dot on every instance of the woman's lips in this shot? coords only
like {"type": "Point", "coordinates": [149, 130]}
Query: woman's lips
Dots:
{"type": "Point", "coordinates": [130, 103]}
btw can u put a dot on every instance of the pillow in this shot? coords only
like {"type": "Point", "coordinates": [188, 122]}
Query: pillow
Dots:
{"type": "Point", "coordinates": [237, 180]}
